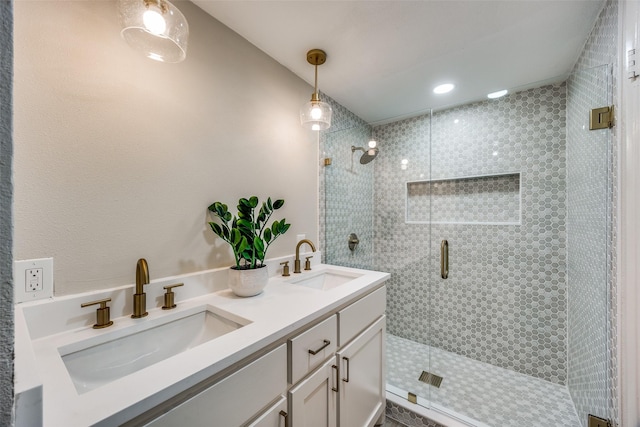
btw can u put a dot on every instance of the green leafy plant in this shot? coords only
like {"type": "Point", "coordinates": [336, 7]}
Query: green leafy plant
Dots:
{"type": "Point", "coordinates": [248, 233]}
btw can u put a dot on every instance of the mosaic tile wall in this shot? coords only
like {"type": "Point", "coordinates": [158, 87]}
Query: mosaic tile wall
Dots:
{"type": "Point", "coordinates": [347, 203]}
{"type": "Point", "coordinates": [485, 200]}
{"type": "Point", "coordinates": [505, 299]}
{"type": "Point", "coordinates": [403, 249]}
{"type": "Point", "coordinates": [591, 185]}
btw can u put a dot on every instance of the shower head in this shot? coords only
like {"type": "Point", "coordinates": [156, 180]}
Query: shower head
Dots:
{"type": "Point", "coordinates": [368, 154]}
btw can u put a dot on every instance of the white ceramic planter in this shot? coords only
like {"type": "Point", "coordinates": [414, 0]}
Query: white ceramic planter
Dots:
{"type": "Point", "coordinates": [247, 283]}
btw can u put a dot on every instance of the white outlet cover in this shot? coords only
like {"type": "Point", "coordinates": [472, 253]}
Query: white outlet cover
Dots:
{"type": "Point", "coordinates": [19, 278]}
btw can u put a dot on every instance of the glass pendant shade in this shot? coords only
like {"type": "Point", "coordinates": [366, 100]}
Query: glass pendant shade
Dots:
{"type": "Point", "coordinates": [316, 115]}
{"type": "Point", "coordinates": [156, 28]}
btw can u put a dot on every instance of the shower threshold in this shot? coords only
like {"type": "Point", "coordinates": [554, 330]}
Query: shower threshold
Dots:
{"type": "Point", "coordinates": [436, 415]}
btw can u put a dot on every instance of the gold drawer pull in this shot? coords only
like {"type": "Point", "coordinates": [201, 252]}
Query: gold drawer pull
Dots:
{"type": "Point", "coordinates": [286, 418]}
{"type": "Point", "coordinates": [346, 359]}
{"type": "Point", "coordinates": [326, 343]}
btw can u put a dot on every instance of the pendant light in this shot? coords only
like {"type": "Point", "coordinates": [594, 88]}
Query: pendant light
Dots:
{"type": "Point", "coordinates": [156, 28]}
{"type": "Point", "coordinates": [316, 114]}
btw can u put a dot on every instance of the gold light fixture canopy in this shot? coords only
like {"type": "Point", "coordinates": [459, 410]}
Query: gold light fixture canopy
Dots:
{"type": "Point", "coordinates": [315, 114]}
{"type": "Point", "coordinates": [154, 27]}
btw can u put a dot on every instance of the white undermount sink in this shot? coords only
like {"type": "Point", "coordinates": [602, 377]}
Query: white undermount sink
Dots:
{"type": "Point", "coordinates": [100, 360]}
{"type": "Point", "coordinates": [325, 279]}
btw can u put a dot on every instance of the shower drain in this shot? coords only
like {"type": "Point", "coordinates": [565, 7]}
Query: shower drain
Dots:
{"type": "Point", "coordinates": [431, 379]}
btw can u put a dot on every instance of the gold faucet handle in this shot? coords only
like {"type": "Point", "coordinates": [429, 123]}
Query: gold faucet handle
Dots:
{"type": "Point", "coordinates": [103, 313]}
{"type": "Point", "coordinates": [169, 301]}
{"type": "Point", "coordinates": [285, 268]}
{"type": "Point", "coordinates": [307, 263]}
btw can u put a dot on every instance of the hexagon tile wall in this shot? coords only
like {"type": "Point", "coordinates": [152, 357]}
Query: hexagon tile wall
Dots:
{"type": "Point", "coordinates": [505, 300]}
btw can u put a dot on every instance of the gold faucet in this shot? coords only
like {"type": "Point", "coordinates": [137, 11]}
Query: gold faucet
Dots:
{"type": "Point", "coordinates": [140, 298]}
{"type": "Point", "coordinates": [296, 268]}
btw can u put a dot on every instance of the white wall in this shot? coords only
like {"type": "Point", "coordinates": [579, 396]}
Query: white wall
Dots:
{"type": "Point", "coordinates": [117, 156]}
{"type": "Point", "coordinates": [628, 303]}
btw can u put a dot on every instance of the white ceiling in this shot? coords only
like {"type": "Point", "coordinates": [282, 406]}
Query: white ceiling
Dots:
{"type": "Point", "coordinates": [385, 57]}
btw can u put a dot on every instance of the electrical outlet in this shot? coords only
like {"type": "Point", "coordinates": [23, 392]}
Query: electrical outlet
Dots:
{"type": "Point", "coordinates": [33, 279]}
{"type": "Point", "coordinates": [300, 237]}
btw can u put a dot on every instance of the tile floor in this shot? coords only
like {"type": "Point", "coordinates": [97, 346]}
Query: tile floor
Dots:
{"type": "Point", "coordinates": [494, 396]}
{"type": "Point", "coordinates": [390, 422]}
{"type": "Point", "coordinates": [398, 416]}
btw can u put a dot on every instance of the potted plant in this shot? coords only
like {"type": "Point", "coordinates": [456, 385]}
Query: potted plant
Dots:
{"type": "Point", "coordinates": [249, 236]}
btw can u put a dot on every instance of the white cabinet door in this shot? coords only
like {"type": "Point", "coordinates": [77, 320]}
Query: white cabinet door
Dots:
{"type": "Point", "coordinates": [312, 402]}
{"type": "Point", "coordinates": [362, 377]}
{"type": "Point", "coordinates": [275, 416]}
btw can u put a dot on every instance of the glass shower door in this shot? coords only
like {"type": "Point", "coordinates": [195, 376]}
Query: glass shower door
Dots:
{"type": "Point", "coordinates": [348, 201]}
{"type": "Point", "coordinates": [493, 219]}
{"type": "Point", "coordinates": [589, 245]}
{"type": "Point", "coordinates": [391, 237]}
{"type": "Point", "coordinates": [520, 192]}
{"type": "Point", "coordinates": [403, 247]}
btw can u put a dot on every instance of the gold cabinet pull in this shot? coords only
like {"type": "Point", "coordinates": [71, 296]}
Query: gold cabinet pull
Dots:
{"type": "Point", "coordinates": [314, 352]}
{"type": "Point", "coordinates": [103, 313]}
{"type": "Point", "coordinates": [444, 259]}
{"type": "Point", "coordinates": [346, 359]}
{"type": "Point", "coordinates": [286, 418]}
{"type": "Point", "coordinates": [337, 387]}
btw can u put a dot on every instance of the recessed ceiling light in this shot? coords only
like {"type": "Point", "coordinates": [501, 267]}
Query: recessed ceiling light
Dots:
{"type": "Point", "coordinates": [498, 94]}
{"type": "Point", "coordinates": [444, 88]}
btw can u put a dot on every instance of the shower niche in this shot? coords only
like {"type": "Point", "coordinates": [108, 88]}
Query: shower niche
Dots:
{"type": "Point", "coordinates": [483, 199]}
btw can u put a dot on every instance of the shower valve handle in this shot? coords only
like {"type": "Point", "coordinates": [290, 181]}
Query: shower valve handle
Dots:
{"type": "Point", "coordinates": [353, 241]}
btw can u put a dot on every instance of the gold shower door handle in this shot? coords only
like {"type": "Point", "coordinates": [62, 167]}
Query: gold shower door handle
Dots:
{"type": "Point", "coordinates": [444, 259]}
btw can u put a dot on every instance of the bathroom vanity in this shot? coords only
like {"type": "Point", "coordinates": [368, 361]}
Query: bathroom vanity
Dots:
{"type": "Point", "coordinates": [308, 351]}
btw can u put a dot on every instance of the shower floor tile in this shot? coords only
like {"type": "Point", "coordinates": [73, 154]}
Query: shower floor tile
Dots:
{"type": "Point", "coordinates": [495, 396]}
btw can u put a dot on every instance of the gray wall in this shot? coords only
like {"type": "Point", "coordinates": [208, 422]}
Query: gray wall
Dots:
{"type": "Point", "coordinates": [6, 227]}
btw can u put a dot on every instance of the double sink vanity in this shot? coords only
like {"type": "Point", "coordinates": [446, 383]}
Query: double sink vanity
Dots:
{"type": "Point", "coordinates": [309, 350]}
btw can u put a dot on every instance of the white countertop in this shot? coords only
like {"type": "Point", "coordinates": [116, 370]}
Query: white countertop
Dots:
{"type": "Point", "coordinates": [281, 309]}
